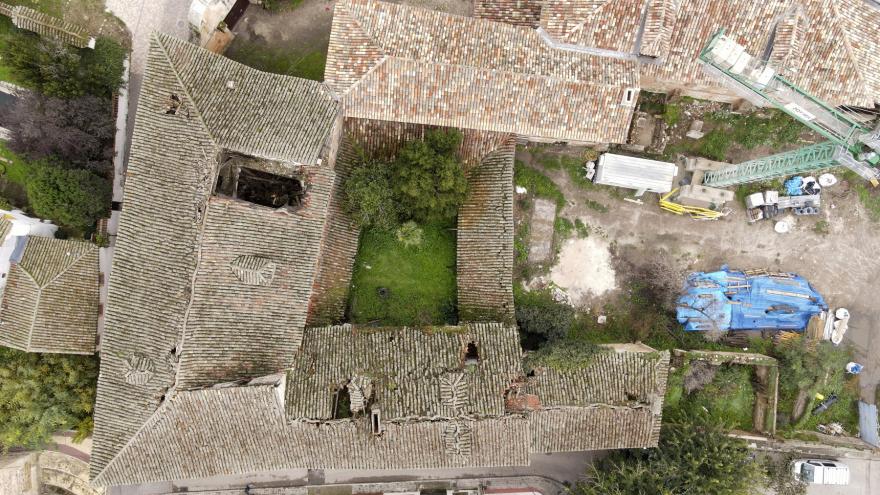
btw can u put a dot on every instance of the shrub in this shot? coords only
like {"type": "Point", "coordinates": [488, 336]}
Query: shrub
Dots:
{"type": "Point", "coordinates": [428, 179]}
{"type": "Point", "coordinates": [72, 198]}
{"type": "Point", "coordinates": [691, 458]}
{"type": "Point", "coordinates": [368, 196]}
{"type": "Point", "coordinates": [540, 318]}
{"type": "Point", "coordinates": [410, 234]}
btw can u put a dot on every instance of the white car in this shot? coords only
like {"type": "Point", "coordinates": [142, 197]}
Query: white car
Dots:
{"type": "Point", "coordinates": [821, 471]}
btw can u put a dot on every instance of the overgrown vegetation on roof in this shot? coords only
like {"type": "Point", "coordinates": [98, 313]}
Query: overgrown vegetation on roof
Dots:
{"type": "Point", "coordinates": [43, 394]}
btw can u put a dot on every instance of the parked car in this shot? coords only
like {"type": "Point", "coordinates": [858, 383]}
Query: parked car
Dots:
{"type": "Point", "coordinates": [821, 471]}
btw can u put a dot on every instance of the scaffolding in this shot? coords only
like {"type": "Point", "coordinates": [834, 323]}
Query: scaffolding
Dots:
{"type": "Point", "coordinates": [850, 143]}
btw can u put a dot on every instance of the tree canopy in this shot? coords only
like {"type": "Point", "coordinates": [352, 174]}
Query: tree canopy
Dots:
{"type": "Point", "coordinates": [44, 393]}
{"type": "Point", "coordinates": [368, 197]}
{"type": "Point", "coordinates": [77, 132]}
{"type": "Point", "coordinates": [691, 458]}
{"type": "Point", "coordinates": [58, 70]}
{"type": "Point", "coordinates": [72, 198]}
{"type": "Point", "coordinates": [428, 179]}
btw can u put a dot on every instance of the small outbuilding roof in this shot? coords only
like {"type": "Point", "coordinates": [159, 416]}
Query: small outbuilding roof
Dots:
{"type": "Point", "coordinates": [51, 299]}
{"type": "Point", "coordinates": [46, 25]}
{"type": "Point", "coordinates": [635, 173]}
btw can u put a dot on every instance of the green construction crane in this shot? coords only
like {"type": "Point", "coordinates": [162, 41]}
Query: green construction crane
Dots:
{"type": "Point", "coordinates": [850, 143]}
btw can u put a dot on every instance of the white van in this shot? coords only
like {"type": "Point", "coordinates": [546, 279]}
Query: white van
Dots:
{"type": "Point", "coordinates": [821, 471]}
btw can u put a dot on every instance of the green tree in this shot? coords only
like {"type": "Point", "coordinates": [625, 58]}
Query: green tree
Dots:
{"type": "Point", "coordinates": [368, 196]}
{"type": "Point", "coordinates": [44, 393]}
{"type": "Point", "coordinates": [62, 71]}
{"type": "Point", "coordinates": [72, 198]}
{"type": "Point", "coordinates": [691, 458]}
{"type": "Point", "coordinates": [541, 319]}
{"type": "Point", "coordinates": [428, 178]}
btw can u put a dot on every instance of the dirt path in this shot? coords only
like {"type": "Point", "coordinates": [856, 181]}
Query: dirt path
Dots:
{"type": "Point", "coordinates": [843, 265]}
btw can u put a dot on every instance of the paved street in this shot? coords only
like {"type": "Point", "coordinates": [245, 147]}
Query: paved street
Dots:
{"type": "Point", "coordinates": [864, 479]}
{"type": "Point", "coordinates": [560, 467]}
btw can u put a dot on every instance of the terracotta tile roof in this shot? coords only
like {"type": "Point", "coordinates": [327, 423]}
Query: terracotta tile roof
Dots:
{"type": "Point", "coordinates": [517, 12]}
{"type": "Point", "coordinates": [244, 429]}
{"type": "Point", "coordinates": [46, 25]}
{"type": "Point", "coordinates": [614, 402]}
{"type": "Point", "coordinates": [826, 46]}
{"type": "Point", "coordinates": [398, 63]}
{"type": "Point", "coordinates": [178, 316]}
{"type": "Point", "coordinates": [408, 369]}
{"type": "Point", "coordinates": [606, 24]}
{"type": "Point", "coordinates": [484, 244]}
{"type": "Point", "coordinates": [51, 299]}
{"type": "Point", "coordinates": [436, 410]}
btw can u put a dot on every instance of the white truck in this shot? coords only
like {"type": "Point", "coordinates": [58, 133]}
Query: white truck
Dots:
{"type": "Point", "coordinates": [821, 471]}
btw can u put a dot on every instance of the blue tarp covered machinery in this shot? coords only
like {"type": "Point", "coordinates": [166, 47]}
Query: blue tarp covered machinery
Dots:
{"type": "Point", "coordinates": [747, 300]}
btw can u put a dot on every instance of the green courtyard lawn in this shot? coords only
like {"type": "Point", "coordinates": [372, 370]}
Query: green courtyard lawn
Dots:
{"type": "Point", "coordinates": [420, 281]}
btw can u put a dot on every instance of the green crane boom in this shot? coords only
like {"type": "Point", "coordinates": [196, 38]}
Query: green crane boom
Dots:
{"type": "Point", "coordinates": [850, 143]}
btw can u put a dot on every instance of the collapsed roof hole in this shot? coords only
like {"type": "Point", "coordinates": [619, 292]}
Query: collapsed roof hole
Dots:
{"type": "Point", "coordinates": [172, 105]}
{"type": "Point", "coordinates": [471, 354]}
{"type": "Point", "coordinates": [342, 403]}
{"type": "Point", "coordinates": [274, 191]}
{"type": "Point", "coordinates": [376, 421]}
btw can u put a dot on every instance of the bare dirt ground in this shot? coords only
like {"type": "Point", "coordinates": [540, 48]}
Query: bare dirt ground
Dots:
{"type": "Point", "coordinates": [843, 264]}
{"type": "Point", "coordinates": [584, 269]}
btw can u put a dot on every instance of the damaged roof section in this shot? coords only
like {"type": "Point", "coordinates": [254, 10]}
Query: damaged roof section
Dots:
{"type": "Point", "coordinates": [207, 288]}
{"type": "Point", "coordinates": [613, 401]}
{"type": "Point", "coordinates": [399, 63]}
{"type": "Point", "coordinates": [401, 398]}
{"type": "Point", "coordinates": [51, 300]}
{"type": "Point", "coordinates": [413, 373]}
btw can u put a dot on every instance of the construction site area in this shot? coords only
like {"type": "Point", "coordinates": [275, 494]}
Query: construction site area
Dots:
{"type": "Point", "coordinates": [629, 235]}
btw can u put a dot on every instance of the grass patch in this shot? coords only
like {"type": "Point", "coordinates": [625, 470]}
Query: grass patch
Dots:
{"type": "Point", "coordinates": [563, 227]}
{"type": "Point", "coordinates": [280, 5]}
{"type": "Point", "coordinates": [870, 197]}
{"type": "Point", "coordinates": [307, 65]}
{"type": "Point", "coordinates": [728, 400]}
{"type": "Point", "coordinates": [420, 281]}
{"type": "Point", "coordinates": [537, 183]}
{"type": "Point", "coordinates": [595, 205]}
{"type": "Point", "coordinates": [822, 227]}
{"type": "Point", "coordinates": [7, 31]}
{"type": "Point", "coordinates": [13, 167]}
{"type": "Point", "coordinates": [582, 229]}
{"type": "Point", "coordinates": [765, 128]}
{"type": "Point", "coordinates": [671, 114]}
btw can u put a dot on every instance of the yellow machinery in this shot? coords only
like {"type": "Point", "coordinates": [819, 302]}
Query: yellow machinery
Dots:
{"type": "Point", "coordinates": [694, 211]}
